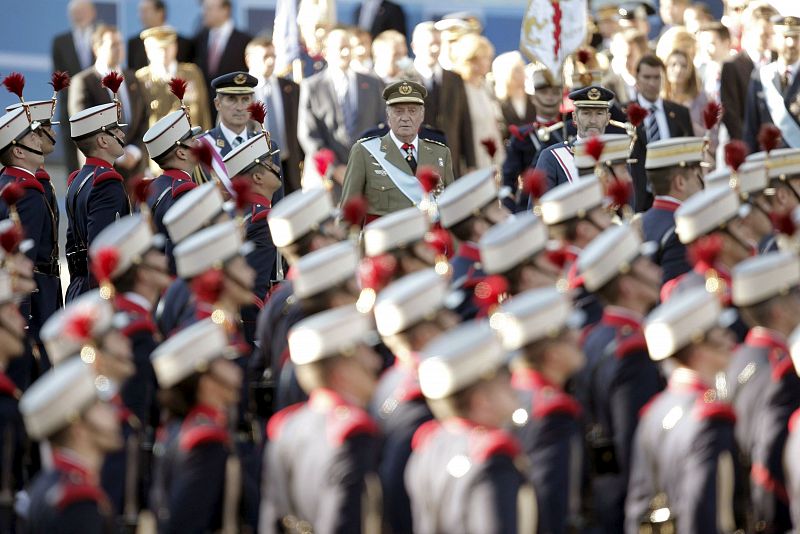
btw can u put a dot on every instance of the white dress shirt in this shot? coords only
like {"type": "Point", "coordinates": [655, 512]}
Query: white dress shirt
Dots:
{"type": "Point", "coordinates": [230, 135]}
{"type": "Point", "coordinates": [661, 117]}
{"type": "Point", "coordinates": [400, 144]}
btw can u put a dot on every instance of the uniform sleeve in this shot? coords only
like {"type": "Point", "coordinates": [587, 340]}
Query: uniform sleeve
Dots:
{"type": "Point", "coordinates": [81, 518]}
{"type": "Point", "coordinates": [107, 203]}
{"type": "Point", "coordinates": [32, 212]}
{"type": "Point", "coordinates": [448, 168]}
{"type": "Point", "coordinates": [274, 504]}
{"type": "Point", "coordinates": [492, 501]}
{"type": "Point", "coordinates": [197, 491]}
{"type": "Point", "coordinates": [263, 257]}
{"type": "Point", "coordinates": [752, 115]}
{"type": "Point", "coordinates": [640, 484]}
{"type": "Point", "coordinates": [546, 163]}
{"type": "Point", "coordinates": [355, 177]}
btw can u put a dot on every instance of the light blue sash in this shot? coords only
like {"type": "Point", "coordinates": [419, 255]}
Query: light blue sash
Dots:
{"type": "Point", "coordinates": [406, 183]}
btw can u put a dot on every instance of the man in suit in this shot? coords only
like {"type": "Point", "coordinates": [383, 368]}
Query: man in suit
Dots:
{"type": "Point", "coordinates": [152, 14]}
{"type": "Point", "coordinates": [377, 16]}
{"type": "Point", "coordinates": [337, 104]}
{"type": "Point", "coordinates": [446, 105]}
{"type": "Point", "coordinates": [72, 52]}
{"type": "Point", "coordinates": [219, 46]}
{"type": "Point", "coordinates": [282, 98]}
{"type": "Point", "coordinates": [665, 120]}
{"type": "Point", "coordinates": [86, 91]}
{"type": "Point", "coordinates": [383, 168]}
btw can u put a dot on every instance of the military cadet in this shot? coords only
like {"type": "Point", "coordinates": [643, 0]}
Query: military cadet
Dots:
{"type": "Point", "coordinates": [409, 313]}
{"type": "Point", "coordinates": [674, 174]}
{"type": "Point", "coordinates": [791, 453]}
{"type": "Point", "coordinates": [169, 144]}
{"type": "Point", "coordinates": [462, 476]}
{"type": "Point", "coordinates": [619, 378]}
{"type": "Point", "coordinates": [95, 195]}
{"type": "Point", "coordinates": [197, 475]}
{"type": "Point", "coordinates": [322, 456]}
{"type": "Point", "coordinates": [537, 324]}
{"type": "Point", "coordinates": [64, 407]}
{"type": "Point", "coordinates": [761, 383]}
{"type": "Point", "coordinates": [527, 142]}
{"type": "Point", "coordinates": [383, 169]}
{"type": "Point", "coordinates": [684, 462]}
{"type": "Point", "coordinates": [13, 259]}
{"type": "Point", "coordinates": [404, 236]}
{"type": "Point", "coordinates": [783, 194]}
{"type": "Point", "coordinates": [591, 117]}
{"type": "Point", "coordinates": [612, 165]}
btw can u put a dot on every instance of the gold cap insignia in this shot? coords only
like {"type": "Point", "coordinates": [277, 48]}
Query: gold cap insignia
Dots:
{"type": "Point", "coordinates": [405, 89]}
{"type": "Point", "coordinates": [240, 78]}
{"type": "Point", "coordinates": [593, 94]}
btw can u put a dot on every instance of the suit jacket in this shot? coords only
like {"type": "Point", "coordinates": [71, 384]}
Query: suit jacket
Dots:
{"type": "Point", "coordinates": [510, 115]}
{"type": "Point", "coordinates": [137, 58]}
{"type": "Point", "coordinates": [734, 80]}
{"type": "Point", "coordinates": [680, 125]}
{"type": "Point", "coordinates": [290, 94]}
{"type": "Point", "coordinates": [364, 175]}
{"type": "Point", "coordinates": [321, 121]}
{"type": "Point", "coordinates": [232, 59]}
{"type": "Point", "coordinates": [390, 16]}
{"type": "Point", "coordinates": [757, 112]}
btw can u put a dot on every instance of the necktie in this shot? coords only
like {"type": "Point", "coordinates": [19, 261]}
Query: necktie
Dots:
{"type": "Point", "coordinates": [237, 141]}
{"type": "Point", "coordinates": [653, 133]}
{"type": "Point", "coordinates": [785, 77]}
{"type": "Point", "coordinates": [410, 159]}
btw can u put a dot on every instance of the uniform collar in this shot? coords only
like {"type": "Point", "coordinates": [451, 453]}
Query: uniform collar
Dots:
{"type": "Point", "coordinates": [67, 460]}
{"type": "Point", "coordinates": [684, 378]}
{"type": "Point", "coordinates": [97, 162]}
{"type": "Point", "coordinates": [469, 250]}
{"type": "Point", "coordinates": [323, 398]}
{"type": "Point", "coordinates": [766, 338]}
{"type": "Point", "coordinates": [666, 203]}
{"type": "Point", "coordinates": [18, 172]}
{"type": "Point", "coordinates": [260, 200]}
{"type": "Point", "coordinates": [177, 174]}
{"type": "Point", "coordinates": [41, 174]}
{"type": "Point", "coordinates": [524, 378]}
{"type": "Point", "coordinates": [135, 300]}
{"type": "Point", "coordinates": [619, 317]}
{"type": "Point", "coordinates": [400, 144]}
{"type": "Point", "coordinates": [207, 412]}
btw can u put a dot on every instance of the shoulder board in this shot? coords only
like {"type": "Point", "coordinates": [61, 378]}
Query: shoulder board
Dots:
{"type": "Point", "coordinates": [782, 368]}
{"type": "Point", "coordinates": [41, 174]}
{"type": "Point", "coordinates": [714, 410]}
{"type": "Point", "coordinates": [434, 142]}
{"type": "Point", "coordinates": [260, 216]}
{"type": "Point", "coordinates": [202, 434]}
{"type": "Point", "coordinates": [108, 175]}
{"type": "Point", "coordinates": [72, 176]}
{"type": "Point", "coordinates": [278, 419]}
{"type": "Point", "coordinates": [486, 444]}
{"type": "Point", "coordinates": [367, 138]}
{"type": "Point", "coordinates": [139, 325]}
{"type": "Point", "coordinates": [559, 402]}
{"type": "Point", "coordinates": [182, 188]}
{"type": "Point", "coordinates": [424, 433]}
{"type": "Point", "coordinates": [29, 183]}
{"type": "Point", "coordinates": [71, 493]}
{"type": "Point", "coordinates": [630, 345]}
{"type": "Point", "coordinates": [345, 422]}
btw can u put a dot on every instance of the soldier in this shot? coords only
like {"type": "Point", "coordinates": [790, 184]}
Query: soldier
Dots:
{"type": "Point", "coordinates": [64, 407]}
{"type": "Point", "coordinates": [95, 195]}
{"type": "Point", "coordinates": [383, 169]}
{"type": "Point", "coordinates": [783, 193]}
{"type": "Point", "coordinates": [686, 425]}
{"type": "Point", "coordinates": [462, 476]}
{"type": "Point", "coordinates": [674, 174]}
{"type": "Point", "coordinates": [612, 164]}
{"type": "Point", "coordinates": [197, 476]}
{"type": "Point", "coordinates": [409, 313]}
{"type": "Point", "coordinates": [329, 443]}
{"type": "Point", "coordinates": [536, 325]}
{"type": "Point", "coordinates": [619, 378]}
{"type": "Point", "coordinates": [761, 382]}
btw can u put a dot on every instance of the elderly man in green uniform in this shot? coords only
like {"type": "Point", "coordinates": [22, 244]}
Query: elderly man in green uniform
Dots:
{"type": "Point", "coordinates": [383, 169]}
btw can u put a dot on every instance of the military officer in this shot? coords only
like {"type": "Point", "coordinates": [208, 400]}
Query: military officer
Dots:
{"type": "Point", "coordinates": [536, 325]}
{"type": "Point", "coordinates": [328, 443]}
{"type": "Point", "coordinates": [383, 169]}
{"type": "Point", "coordinates": [64, 408]}
{"type": "Point", "coordinates": [686, 425]}
{"type": "Point", "coordinates": [95, 195]}
{"type": "Point", "coordinates": [619, 378]}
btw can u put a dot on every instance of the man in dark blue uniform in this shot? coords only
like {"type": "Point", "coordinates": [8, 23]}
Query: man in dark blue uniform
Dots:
{"type": "Point", "coordinates": [95, 196]}
{"type": "Point", "coordinates": [619, 378]}
{"type": "Point", "coordinates": [782, 195]}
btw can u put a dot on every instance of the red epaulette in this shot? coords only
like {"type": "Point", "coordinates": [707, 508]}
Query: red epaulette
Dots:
{"type": "Point", "coordinates": [72, 176]}
{"type": "Point", "coordinates": [108, 175]}
{"type": "Point", "coordinates": [630, 345]}
{"type": "Point", "coordinates": [714, 410]}
{"type": "Point", "coordinates": [345, 422]}
{"type": "Point", "coordinates": [782, 368]}
{"type": "Point", "coordinates": [139, 325]}
{"type": "Point", "coordinates": [182, 188]}
{"type": "Point", "coordinates": [794, 421]}
{"type": "Point", "coordinates": [41, 174]}
{"type": "Point", "coordinates": [424, 433]}
{"type": "Point", "coordinates": [202, 434]}
{"type": "Point", "coordinates": [276, 422]}
{"type": "Point", "coordinates": [70, 493]}
{"type": "Point", "coordinates": [557, 402]}
{"type": "Point", "coordinates": [485, 444]}
{"type": "Point", "coordinates": [30, 183]}
{"type": "Point", "coordinates": [259, 216]}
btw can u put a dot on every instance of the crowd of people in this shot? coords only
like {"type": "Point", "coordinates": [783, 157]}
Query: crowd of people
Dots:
{"type": "Point", "coordinates": [356, 291]}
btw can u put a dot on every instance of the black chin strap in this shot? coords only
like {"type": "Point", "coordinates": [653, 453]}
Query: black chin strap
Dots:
{"type": "Point", "coordinates": [29, 149]}
{"type": "Point", "coordinates": [117, 139]}
{"type": "Point", "coordinates": [47, 134]}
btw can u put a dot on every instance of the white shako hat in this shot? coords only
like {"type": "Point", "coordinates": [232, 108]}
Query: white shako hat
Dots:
{"type": "Point", "coordinates": [608, 255]}
{"type": "Point", "coordinates": [571, 200]}
{"type": "Point", "coordinates": [394, 230]}
{"type": "Point", "coordinates": [169, 132]}
{"type": "Point", "coordinates": [189, 351]}
{"type": "Point", "coordinates": [460, 358]}
{"type": "Point", "coordinates": [131, 236]}
{"type": "Point", "coordinates": [59, 338]}
{"type": "Point", "coordinates": [674, 152]}
{"type": "Point", "coordinates": [297, 214]}
{"type": "Point", "coordinates": [409, 301]}
{"type": "Point", "coordinates": [706, 211]}
{"type": "Point", "coordinates": [328, 333]}
{"type": "Point", "coordinates": [531, 316]}
{"type": "Point", "coordinates": [676, 323]}
{"type": "Point", "coordinates": [782, 163]}
{"type": "Point", "coordinates": [762, 277]}
{"type": "Point", "coordinates": [464, 197]}
{"type": "Point", "coordinates": [511, 242]}
{"type": "Point", "coordinates": [208, 248]}
{"type": "Point", "coordinates": [193, 210]}
{"type": "Point", "coordinates": [324, 268]}
{"type": "Point", "coordinates": [14, 125]}
{"type": "Point", "coordinates": [616, 149]}
{"type": "Point", "coordinates": [40, 110]}
{"type": "Point", "coordinates": [751, 178]}
{"type": "Point", "coordinates": [58, 397]}
{"type": "Point", "coordinates": [252, 152]}
{"type": "Point", "coordinates": [94, 120]}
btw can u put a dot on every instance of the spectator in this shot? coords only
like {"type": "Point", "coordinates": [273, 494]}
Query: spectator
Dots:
{"type": "Point", "coordinates": [696, 16]}
{"type": "Point", "coordinates": [672, 13]}
{"type": "Point", "coordinates": [627, 48]}
{"type": "Point", "coordinates": [153, 14]}
{"type": "Point", "coordinates": [378, 16]}
{"type": "Point", "coordinates": [713, 49]}
{"type": "Point", "coordinates": [451, 28]}
{"type": "Point", "coordinates": [634, 17]}
{"type": "Point", "coordinates": [509, 87]}
{"type": "Point", "coordinates": [390, 58]}
{"type": "Point", "coordinates": [676, 38]}
{"type": "Point", "coordinates": [361, 51]}
{"type": "Point", "coordinates": [607, 20]}
{"type": "Point", "coordinates": [683, 87]}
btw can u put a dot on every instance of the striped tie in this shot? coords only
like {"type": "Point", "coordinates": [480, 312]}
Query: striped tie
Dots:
{"type": "Point", "coordinates": [653, 133]}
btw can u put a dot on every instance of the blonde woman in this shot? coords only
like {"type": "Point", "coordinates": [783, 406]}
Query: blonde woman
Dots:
{"type": "Point", "coordinates": [516, 105]}
{"type": "Point", "coordinates": [683, 86]}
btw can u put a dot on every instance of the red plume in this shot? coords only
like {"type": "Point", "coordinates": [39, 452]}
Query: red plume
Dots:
{"type": "Point", "coordinates": [440, 240]}
{"type": "Point", "coordinates": [141, 189]}
{"type": "Point", "coordinates": [619, 192]}
{"type": "Point", "coordinates": [258, 111]}
{"type": "Point", "coordinates": [177, 86]}
{"type": "Point", "coordinates": [558, 257]}
{"type": "Point", "coordinates": [15, 83]}
{"type": "Point", "coordinates": [783, 224]}
{"type": "Point", "coordinates": [584, 56]}
{"type": "Point", "coordinates": [207, 287]}
{"type": "Point", "coordinates": [79, 326]}
{"type": "Point", "coordinates": [202, 153]}
{"type": "Point", "coordinates": [323, 159]}
{"type": "Point", "coordinates": [636, 114]}
{"type": "Point", "coordinates": [104, 263]}
{"type": "Point", "coordinates": [428, 178]}
{"type": "Point", "coordinates": [11, 238]}
{"type": "Point", "coordinates": [59, 80]}
{"type": "Point", "coordinates": [594, 147]}
{"type": "Point", "coordinates": [490, 146]}
{"type": "Point", "coordinates": [12, 193]}
{"type": "Point", "coordinates": [534, 182]}
{"type": "Point", "coordinates": [735, 153]}
{"type": "Point", "coordinates": [376, 272]}
{"type": "Point", "coordinates": [354, 210]}
{"type": "Point", "coordinates": [705, 250]}
{"type": "Point", "coordinates": [769, 137]}
{"type": "Point", "coordinates": [489, 290]}
{"type": "Point", "coordinates": [513, 129]}
{"type": "Point", "coordinates": [112, 81]}
{"type": "Point", "coordinates": [243, 193]}
{"type": "Point", "coordinates": [712, 113]}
